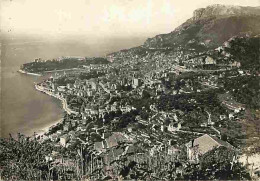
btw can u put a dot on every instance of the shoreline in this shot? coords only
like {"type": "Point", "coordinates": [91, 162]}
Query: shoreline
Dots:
{"type": "Point", "coordinates": [63, 100]}
{"type": "Point", "coordinates": [28, 73]}
{"type": "Point", "coordinates": [40, 132]}
{"type": "Point", "coordinates": [64, 106]}
{"type": "Point", "coordinates": [46, 72]}
{"type": "Point", "coordinates": [45, 129]}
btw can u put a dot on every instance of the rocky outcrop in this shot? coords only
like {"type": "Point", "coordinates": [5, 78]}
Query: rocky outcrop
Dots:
{"type": "Point", "coordinates": [222, 10]}
{"type": "Point", "coordinates": [211, 27]}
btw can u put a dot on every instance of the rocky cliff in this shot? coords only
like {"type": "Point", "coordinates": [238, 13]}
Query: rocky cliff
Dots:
{"type": "Point", "coordinates": [210, 27]}
{"type": "Point", "coordinates": [222, 10]}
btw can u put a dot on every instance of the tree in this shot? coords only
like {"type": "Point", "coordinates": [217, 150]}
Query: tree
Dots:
{"type": "Point", "coordinates": [24, 159]}
{"type": "Point", "coordinates": [178, 84]}
{"type": "Point", "coordinates": [251, 126]}
{"type": "Point", "coordinates": [219, 164]}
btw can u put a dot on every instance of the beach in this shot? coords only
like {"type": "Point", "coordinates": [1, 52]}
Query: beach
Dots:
{"type": "Point", "coordinates": [25, 110]}
{"type": "Point", "coordinates": [46, 128]}
{"type": "Point", "coordinates": [64, 106]}
{"type": "Point", "coordinates": [63, 100]}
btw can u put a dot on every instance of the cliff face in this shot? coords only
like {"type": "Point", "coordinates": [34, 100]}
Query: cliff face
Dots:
{"type": "Point", "coordinates": [221, 10]}
{"type": "Point", "coordinates": [210, 27]}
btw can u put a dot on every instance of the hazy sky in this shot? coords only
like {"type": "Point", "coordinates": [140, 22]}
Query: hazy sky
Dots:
{"type": "Point", "coordinates": [101, 17]}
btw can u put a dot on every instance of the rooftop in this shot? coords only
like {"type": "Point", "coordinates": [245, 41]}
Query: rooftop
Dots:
{"type": "Point", "coordinates": [207, 143]}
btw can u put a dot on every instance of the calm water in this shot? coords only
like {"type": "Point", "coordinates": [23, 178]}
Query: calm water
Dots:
{"type": "Point", "coordinates": [25, 110]}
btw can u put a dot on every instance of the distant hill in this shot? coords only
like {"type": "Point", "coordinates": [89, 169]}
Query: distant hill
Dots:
{"type": "Point", "coordinates": [210, 27]}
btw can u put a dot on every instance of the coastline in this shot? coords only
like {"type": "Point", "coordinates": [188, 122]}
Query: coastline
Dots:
{"type": "Point", "coordinates": [46, 72]}
{"type": "Point", "coordinates": [46, 128]}
{"type": "Point", "coordinates": [63, 100]}
{"type": "Point", "coordinates": [64, 106]}
{"type": "Point", "coordinates": [28, 73]}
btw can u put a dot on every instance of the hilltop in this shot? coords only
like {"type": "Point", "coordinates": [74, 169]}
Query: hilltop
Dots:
{"type": "Point", "coordinates": [210, 27]}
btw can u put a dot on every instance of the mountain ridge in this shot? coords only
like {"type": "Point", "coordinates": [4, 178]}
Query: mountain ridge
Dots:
{"type": "Point", "coordinates": [211, 26]}
{"type": "Point", "coordinates": [225, 10]}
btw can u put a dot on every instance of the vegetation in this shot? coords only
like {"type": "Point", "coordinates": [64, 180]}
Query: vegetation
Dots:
{"type": "Point", "coordinates": [246, 51]}
{"type": "Point", "coordinates": [245, 89]}
{"type": "Point", "coordinates": [151, 152]}
{"type": "Point", "coordinates": [217, 165]}
{"type": "Point", "coordinates": [251, 125]}
{"type": "Point", "coordinates": [67, 63]}
{"type": "Point", "coordinates": [24, 159]}
{"type": "Point", "coordinates": [90, 75]}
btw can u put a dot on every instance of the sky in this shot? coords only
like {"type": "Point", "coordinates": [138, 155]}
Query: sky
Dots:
{"type": "Point", "coordinates": [100, 17]}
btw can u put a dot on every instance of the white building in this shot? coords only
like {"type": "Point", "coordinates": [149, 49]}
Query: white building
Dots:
{"type": "Point", "coordinates": [63, 140]}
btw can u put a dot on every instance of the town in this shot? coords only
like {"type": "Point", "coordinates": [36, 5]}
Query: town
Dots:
{"type": "Point", "coordinates": [145, 112]}
{"type": "Point", "coordinates": [179, 112]}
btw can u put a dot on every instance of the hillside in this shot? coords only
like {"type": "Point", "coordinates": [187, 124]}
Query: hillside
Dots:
{"type": "Point", "coordinates": [183, 106]}
{"type": "Point", "coordinates": [210, 27]}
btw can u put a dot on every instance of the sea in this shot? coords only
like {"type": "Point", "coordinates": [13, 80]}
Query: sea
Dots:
{"type": "Point", "coordinates": [25, 110]}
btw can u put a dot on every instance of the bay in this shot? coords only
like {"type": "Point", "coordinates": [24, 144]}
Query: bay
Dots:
{"type": "Point", "coordinates": [25, 110]}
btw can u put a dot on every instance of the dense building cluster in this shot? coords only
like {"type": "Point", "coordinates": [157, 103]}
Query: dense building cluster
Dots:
{"type": "Point", "coordinates": [183, 106]}
{"type": "Point", "coordinates": [149, 113]}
